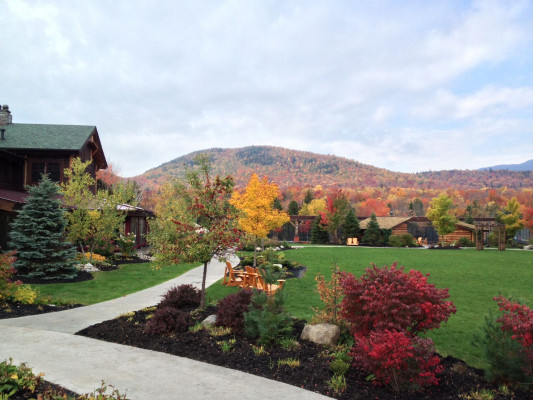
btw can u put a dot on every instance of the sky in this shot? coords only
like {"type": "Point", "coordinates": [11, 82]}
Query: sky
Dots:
{"type": "Point", "coordinates": [405, 85]}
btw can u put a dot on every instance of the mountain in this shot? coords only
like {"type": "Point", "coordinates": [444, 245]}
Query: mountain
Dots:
{"type": "Point", "coordinates": [525, 166]}
{"type": "Point", "coordinates": [290, 168]}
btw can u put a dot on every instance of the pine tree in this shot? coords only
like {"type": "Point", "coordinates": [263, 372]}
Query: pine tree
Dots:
{"type": "Point", "coordinates": [38, 235]}
{"type": "Point", "coordinates": [351, 227]}
{"type": "Point", "coordinates": [318, 233]}
{"type": "Point", "coordinates": [308, 197]}
{"type": "Point", "coordinates": [372, 235]}
{"type": "Point", "coordinates": [294, 208]}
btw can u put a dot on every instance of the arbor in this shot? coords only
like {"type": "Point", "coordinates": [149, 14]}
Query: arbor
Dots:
{"type": "Point", "coordinates": [257, 216]}
{"type": "Point", "coordinates": [93, 218]}
{"type": "Point", "coordinates": [38, 234]}
{"type": "Point", "coordinates": [512, 218]}
{"type": "Point", "coordinates": [439, 215]}
{"type": "Point", "coordinates": [351, 227]}
{"type": "Point", "coordinates": [196, 221]}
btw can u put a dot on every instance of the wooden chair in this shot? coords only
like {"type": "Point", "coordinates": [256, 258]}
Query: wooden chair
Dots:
{"type": "Point", "coordinates": [232, 277]}
{"type": "Point", "coordinates": [352, 242]}
{"type": "Point", "coordinates": [251, 277]}
{"type": "Point", "coordinates": [269, 288]}
{"type": "Point", "coordinates": [349, 242]}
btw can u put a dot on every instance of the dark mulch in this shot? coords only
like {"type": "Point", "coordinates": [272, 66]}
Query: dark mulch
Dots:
{"type": "Point", "coordinates": [15, 310]}
{"type": "Point", "coordinates": [44, 388]}
{"type": "Point", "coordinates": [313, 373]}
{"type": "Point", "coordinates": [80, 277]}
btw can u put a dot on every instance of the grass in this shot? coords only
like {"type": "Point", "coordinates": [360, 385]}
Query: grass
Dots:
{"type": "Point", "coordinates": [473, 279]}
{"type": "Point", "coordinates": [129, 278]}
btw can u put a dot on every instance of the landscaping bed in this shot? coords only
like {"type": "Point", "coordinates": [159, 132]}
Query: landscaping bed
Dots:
{"type": "Point", "coordinates": [313, 373]}
{"type": "Point", "coordinates": [15, 309]}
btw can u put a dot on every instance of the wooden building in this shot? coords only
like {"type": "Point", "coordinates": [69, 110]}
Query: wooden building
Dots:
{"type": "Point", "coordinates": [398, 225]}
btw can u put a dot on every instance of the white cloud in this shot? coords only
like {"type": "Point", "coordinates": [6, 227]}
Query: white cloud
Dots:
{"type": "Point", "coordinates": [395, 84]}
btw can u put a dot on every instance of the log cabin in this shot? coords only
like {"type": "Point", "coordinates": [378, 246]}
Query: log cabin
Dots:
{"type": "Point", "coordinates": [29, 150]}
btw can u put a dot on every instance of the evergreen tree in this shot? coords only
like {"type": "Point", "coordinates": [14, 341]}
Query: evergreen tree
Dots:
{"type": "Point", "coordinates": [318, 233]}
{"type": "Point", "coordinates": [351, 227]}
{"type": "Point", "coordinates": [38, 234]}
{"type": "Point", "coordinates": [277, 205]}
{"type": "Point", "coordinates": [308, 197]}
{"type": "Point", "coordinates": [293, 208]}
{"type": "Point", "coordinates": [373, 234]}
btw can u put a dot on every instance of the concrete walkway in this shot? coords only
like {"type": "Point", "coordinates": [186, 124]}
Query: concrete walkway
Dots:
{"type": "Point", "coordinates": [47, 344]}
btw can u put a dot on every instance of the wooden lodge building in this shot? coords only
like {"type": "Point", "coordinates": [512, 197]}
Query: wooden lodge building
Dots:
{"type": "Point", "coordinates": [29, 150]}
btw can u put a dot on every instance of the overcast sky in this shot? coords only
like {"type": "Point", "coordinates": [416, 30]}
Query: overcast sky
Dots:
{"type": "Point", "coordinates": [404, 85]}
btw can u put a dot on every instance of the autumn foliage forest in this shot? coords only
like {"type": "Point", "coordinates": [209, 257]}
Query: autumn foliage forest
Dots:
{"type": "Point", "coordinates": [368, 189]}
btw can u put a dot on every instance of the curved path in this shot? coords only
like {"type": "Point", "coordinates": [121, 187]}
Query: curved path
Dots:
{"type": "Point", "coordinates": [47, 344]}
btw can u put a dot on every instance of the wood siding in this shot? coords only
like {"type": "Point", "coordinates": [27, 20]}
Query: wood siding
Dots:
{"type": "Point", "coordinates": [458, 234]}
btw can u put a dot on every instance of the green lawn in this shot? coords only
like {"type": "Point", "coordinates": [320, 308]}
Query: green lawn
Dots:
{"type": "Point", "coordinates": [129, 278]}
{"type": "Point", "coordinates": [473, 279]}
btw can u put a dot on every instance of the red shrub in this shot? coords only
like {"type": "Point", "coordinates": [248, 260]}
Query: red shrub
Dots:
{"type": "Point", "coordinates": [231, 310]}
{"type": "Point", "coordinates": [182, 296]}
{"type": "Point", "coordinates": [397, 359]}
{"type": "Point", "coordinates": [518, 320]}
{"type": "Point", "coordinates": [389, 298]}
{"type": "Point", "coordinates": [168, 320]}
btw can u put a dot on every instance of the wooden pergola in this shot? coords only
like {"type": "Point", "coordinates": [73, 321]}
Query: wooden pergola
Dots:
{"type": "Point", "coordinates": [488, 226]}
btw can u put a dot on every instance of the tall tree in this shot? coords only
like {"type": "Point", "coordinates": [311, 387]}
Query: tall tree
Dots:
{"type": "Point", "coordinates": [38, 234]}
{"type": "Point", "coordinates": [440, 216]}
{"type": "Point", "coordinates": [373, 235]}
{"type": "Point", "coordinates": [337, 207]}
{"type": "Point", "coordinates": [416, 207]}
{"type": "Point", "coordinates": [256, 214]}
{"type": "Point", "coordinates": [308, 196]}
{"type": "Point", "coordinates": [277, 204]}
{"type": "Point", "coordinates": [318, 234]}
{"type": "Point", "coordinates": [94, 218]}
{"type": "Point", "coordinates": [512, 218]}
{"type": "Point", "coordinates": [196, 222]}
{"type": "Point", "coordinates": [351, 228]}
{"type": "Point", "coordinates": [294, 208]}
{"type": "Point", "coordinates": [315, 207]}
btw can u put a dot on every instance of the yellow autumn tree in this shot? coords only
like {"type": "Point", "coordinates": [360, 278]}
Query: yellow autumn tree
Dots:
{"type": "Point", "coordinates": [315, 207]}
{"type": "Point", "coordinates": [256, 207]}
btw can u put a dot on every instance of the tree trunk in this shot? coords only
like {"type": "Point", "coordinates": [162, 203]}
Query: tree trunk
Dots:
{"type": "Point", "coordinates": [202, 292]}
{"type": "Point", "coordinates": [255, 256]}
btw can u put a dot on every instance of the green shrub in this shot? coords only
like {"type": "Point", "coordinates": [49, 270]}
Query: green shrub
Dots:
{"type": "Point", "coordinates": [503, 353]}
{"type": "Point", "coordinates": [339, 366]}
{"type": "Point", "coordinates": [465, 242]}
{"type": "Point", "coordinates": [266, 319]}
{"type": "Point", "coordinates": [403, 240]}
{"type": "Point", "coordinates": [25, 294]}
{"type": "Point", "coordinates": [15, 379]}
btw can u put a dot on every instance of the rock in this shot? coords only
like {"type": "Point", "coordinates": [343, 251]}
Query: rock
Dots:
{"type": "Point", "coordinates": [327, 334]}
{"type": "Point", "coordinates": [530, 247]}
{"type": "Point", "coordinates": [277, 249]}
{"type": "Point", "coordinates": [258, 248]}
{"type": "Point", "coordinates": [209, 321]}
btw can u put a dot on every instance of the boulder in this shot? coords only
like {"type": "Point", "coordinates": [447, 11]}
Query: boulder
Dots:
{"type": "Point", "coordinates": [327, 334]}
{"type": "Point", "coordinates": [209, 321]}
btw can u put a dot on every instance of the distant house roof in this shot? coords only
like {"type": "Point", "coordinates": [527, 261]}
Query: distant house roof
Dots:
{"type": "Point", "coordinates": [52, 137]}
{"type": "Point", "coordinates": [385, 222]}
{"type": "Point", "coordinates": [465, 225]}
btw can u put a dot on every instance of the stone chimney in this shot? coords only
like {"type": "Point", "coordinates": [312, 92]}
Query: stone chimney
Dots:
{"type": "Point", "coordinates": [5, 115]}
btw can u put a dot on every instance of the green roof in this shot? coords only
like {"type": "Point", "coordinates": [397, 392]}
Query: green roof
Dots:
{"type": "Point", "coordinates": [41, 136]}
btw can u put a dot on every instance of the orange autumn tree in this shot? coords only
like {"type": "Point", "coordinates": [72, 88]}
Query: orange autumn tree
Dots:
{"type": "Point", "coordinates": [256, 208]}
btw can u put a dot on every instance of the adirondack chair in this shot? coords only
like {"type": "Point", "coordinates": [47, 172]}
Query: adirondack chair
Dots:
{"type": "Point", "coordinates": [251, 277]}
{"type": "Point", "coordinates": [349, 242]}
{"type": "Point", "coordinates": [232, 277]}
{"type": "Point", "coordinates": [269, 288]}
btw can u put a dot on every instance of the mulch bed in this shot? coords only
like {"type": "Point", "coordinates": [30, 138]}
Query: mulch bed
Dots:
{"type": "Point", "coordinates": [457, 379]}
{"type": "Point", "coordinates": [43, 388]}
{"type": "Point", "coordinates": [15, 310]}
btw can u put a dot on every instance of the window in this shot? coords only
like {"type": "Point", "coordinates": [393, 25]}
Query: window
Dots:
{"type": "Point", "coordinates": [52, 168]}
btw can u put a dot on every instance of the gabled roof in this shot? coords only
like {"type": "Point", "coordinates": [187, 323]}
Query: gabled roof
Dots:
{"type": "Point", "coordinates": [467, 226]}
{"type": "Point", "coordinates": [53, 137]}
{"type": "Point", "coordinates": [42, 137]}
{"type": "Point", "coordinates": [386, 222]}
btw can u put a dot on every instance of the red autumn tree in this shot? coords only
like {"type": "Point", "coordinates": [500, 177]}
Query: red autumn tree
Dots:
{"type": "Point", "coordinates": [196, 222]}
{"type": "Point", "coordinates": [369, 206]}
